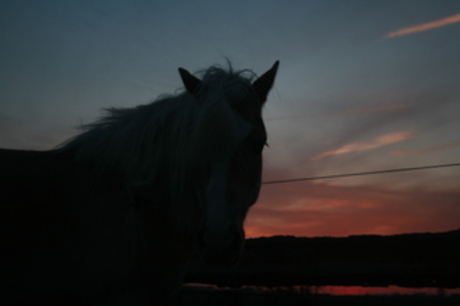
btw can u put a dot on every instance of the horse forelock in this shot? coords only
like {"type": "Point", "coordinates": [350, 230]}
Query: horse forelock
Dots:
{"type": "Point", "coordinates": [217, 123]}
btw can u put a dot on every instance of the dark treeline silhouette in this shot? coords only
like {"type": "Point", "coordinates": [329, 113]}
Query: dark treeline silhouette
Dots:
{"type": "Point", "coordinates": [408, 260]}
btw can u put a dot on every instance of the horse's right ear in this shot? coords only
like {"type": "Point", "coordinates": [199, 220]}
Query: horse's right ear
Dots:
{"type": "Point", "coordinates": [263, 84]}
{"type": "Point", "coordinates": [191, 82]}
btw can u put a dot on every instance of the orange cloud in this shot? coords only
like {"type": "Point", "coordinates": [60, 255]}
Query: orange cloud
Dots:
{"type": "Point", "coordinates": [424, 26]}
{"type": "Point", "coordinates": [426, 151]}
{"type": "Point", "coordinates": [378, 142]}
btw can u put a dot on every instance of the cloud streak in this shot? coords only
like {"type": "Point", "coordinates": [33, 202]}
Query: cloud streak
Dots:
{"type": "Point", "coordinates": [378, 142]}
{"type": "Point", "coordinates": [424, 26]}
{"type": "Point", "coordinates": [379, 108]}
{"type": "Point", "coordinates": [426, 151]}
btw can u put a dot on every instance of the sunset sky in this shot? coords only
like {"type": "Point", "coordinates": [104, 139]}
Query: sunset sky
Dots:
{"type": "Point", "coordinates": [362, 86]}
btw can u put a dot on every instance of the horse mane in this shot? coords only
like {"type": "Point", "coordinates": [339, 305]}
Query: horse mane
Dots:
{"type": "Point", "coordinates": [163, 142]}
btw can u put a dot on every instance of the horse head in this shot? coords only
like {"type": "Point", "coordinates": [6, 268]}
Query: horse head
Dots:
{"type": "Point", "coordinates": [233, 180]}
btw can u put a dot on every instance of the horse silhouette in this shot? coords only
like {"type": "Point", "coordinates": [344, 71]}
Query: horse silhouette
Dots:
{"type": "Point", "coordinates": [113, 215]}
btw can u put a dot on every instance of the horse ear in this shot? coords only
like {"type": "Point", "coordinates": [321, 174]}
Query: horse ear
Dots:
{"type": "Point", "coordinates": [191, 82]}
{"type": "Point", "coordinates": [263, 84]}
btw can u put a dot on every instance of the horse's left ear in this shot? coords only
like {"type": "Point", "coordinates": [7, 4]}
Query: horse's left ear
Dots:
{"type": "Point", "coordinates": [191, 82]}
{"type": "Point", "coordinates": [263, 84]}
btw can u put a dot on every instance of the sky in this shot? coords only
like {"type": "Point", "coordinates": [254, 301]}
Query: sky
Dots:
{"type": "Point", "coordinates": [362, 86]}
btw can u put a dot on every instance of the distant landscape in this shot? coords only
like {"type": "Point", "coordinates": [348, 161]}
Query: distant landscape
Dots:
{"type": "Point", "coordinates": [408, 260]}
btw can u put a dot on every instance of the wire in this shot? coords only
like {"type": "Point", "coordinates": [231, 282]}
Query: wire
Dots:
{"type": "Point", "coordinates": [359, 173]}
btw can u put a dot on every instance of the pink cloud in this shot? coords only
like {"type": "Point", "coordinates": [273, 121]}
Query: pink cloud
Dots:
{"type": "Point", "coordinates": [424, 26]}
{"type": "Point", "coordinates": [377, 142]}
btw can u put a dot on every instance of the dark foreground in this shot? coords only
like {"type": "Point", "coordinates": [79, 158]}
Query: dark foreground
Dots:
{"type": "Point", "coordinates": [287, 297]}
{"type": "Point", "coordinates": [409, 260]}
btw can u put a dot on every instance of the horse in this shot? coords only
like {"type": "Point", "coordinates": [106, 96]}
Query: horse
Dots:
{"type": "Point", "coordinates": [114, 215]}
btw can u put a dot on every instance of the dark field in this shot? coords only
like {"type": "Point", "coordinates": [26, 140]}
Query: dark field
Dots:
{"type": "Point", "coordinates": [409, 260]}
{"type": "Point", "coordinates": [429, 260]}
{"type": "Point", "coordinates": [289, 297]}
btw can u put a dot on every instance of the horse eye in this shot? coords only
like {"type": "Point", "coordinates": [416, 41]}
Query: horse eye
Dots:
{"type": "Point", "coordinates": [260, 146]}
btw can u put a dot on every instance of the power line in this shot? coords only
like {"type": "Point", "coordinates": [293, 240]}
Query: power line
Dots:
{"type": "Point", "coordinates": [359, 173]}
